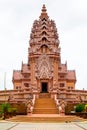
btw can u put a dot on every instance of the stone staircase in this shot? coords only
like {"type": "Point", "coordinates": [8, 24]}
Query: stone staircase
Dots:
{"type": "Point", "coordinates": [45, 106]}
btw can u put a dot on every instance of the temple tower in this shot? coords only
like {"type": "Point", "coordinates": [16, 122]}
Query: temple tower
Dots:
{"type": "Point", "coordinates": [44, 53]}
{"type": "Point", "coordinates": [44, 72]}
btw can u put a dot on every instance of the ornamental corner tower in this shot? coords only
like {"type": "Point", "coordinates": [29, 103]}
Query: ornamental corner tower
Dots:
{"type": "Point", "coordinates": [44, 72]}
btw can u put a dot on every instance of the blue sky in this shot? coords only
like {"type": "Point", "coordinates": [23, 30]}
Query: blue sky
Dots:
{"type": "Point", "coordinates": [16, 20]}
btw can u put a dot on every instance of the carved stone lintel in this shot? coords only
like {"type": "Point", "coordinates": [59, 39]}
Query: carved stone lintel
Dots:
{"type": "Point", "coordinates": [44, 67]}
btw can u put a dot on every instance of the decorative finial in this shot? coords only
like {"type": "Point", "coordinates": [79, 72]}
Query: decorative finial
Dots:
{"type": "Point", "coordinates": [44, 13]}
{"type": "Point", "coordinates": [43, 8]}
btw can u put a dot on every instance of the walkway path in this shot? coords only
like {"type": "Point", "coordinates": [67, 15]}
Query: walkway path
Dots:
{"type": "Point", "coordinates": [7, 125]}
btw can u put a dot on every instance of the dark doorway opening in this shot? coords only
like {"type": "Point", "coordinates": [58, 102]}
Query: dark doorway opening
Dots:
{"type": "Point", "coordinates": [44, 88]}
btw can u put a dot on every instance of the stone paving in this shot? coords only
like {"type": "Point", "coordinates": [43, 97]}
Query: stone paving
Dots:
{"type": "Point", "coordinates": [43, 126]}
{"type": "Point", "coordinates": [83, 125]}
{"type": "Point", "coordinates": [6, 125]}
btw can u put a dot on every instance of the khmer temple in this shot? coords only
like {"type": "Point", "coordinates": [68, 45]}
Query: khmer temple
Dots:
{"type": "Point", "coordinates": [44, 72]}
{"type": "Point", "coordinates": [44, 79]}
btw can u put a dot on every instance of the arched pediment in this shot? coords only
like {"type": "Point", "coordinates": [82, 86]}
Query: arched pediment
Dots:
{"type": "Point", "coordinates": [44, 67]}
{"type": "Point", "coordinates": [47, 46]}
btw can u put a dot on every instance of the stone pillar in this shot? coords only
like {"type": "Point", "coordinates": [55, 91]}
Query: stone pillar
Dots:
{"type": "Point", "coordinates": [55, 79]}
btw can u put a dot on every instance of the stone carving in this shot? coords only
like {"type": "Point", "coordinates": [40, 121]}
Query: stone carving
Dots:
{"type": "Point", "coordinates": [44, 67]}
{"type": "Point", "coordinates": [29, 104]}
{"type": "Point", "coordinates": [29, 107]}
{"type": "Point", "coordinates": [61, 106]}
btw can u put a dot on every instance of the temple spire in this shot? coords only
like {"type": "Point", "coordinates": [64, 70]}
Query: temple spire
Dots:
{"type": "Point", "coordinates": [44, 8]}
{"type": "Point", "coordinates": [44, 13]}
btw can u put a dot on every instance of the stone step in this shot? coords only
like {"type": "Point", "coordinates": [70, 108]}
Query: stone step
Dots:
{"type": "Point", "coordinates": [45, 118]}
{"type": "Point", "coordinates": [46, 95]}
{"type": "Point", "coordinates": [45, 111]}
{"type": "Point", "coordinates": [45, 104]}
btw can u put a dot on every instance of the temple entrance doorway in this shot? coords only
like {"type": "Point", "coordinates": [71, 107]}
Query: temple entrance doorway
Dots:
{"type": "Point", "coordinates": [44, 86]}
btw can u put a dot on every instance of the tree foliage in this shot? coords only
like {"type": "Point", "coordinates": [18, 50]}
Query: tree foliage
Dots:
{"type": "Point", "coordinates": [5, 107]}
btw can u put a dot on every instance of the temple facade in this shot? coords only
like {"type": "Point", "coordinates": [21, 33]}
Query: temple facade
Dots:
{"type": "Point", "coordinates": [44, 72]}
{"type": "Point", "coordinates": [44, 77]}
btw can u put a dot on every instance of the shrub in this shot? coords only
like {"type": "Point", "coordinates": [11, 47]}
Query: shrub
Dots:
{"type": "Point", "coordinates": [86, 107]}
{"type": "Point", "coordinates": [14, 110]}
{"type": "Point", "coordinates": [79, 108]}
{"type": "Point", "coordinates": [4, 107]}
